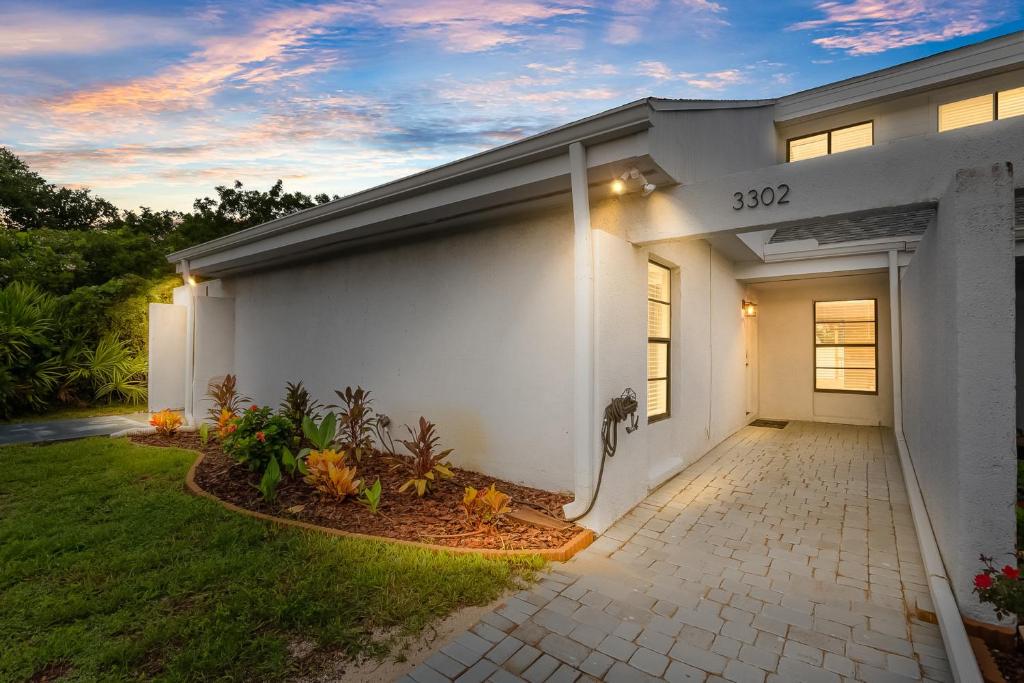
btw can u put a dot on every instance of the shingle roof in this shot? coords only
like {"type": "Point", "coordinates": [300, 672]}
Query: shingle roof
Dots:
{"type": "Point", "coordinates": [898, 221]}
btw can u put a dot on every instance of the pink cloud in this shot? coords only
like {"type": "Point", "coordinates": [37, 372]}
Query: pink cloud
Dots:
{"type": "Point", "coordinates": [470, 25]}
{"type": "Point", "coordinates": [259, 55]}
{"type": "Point", "coordinates": [864, 27]}
{"type": "Point", "coordinates": [47, 32]}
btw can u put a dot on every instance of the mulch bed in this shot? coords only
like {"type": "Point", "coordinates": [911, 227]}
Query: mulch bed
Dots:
{"type": "Point", "coordinates": [437, 518]}
{"type": "Point", "coordinates": [1011, 665]}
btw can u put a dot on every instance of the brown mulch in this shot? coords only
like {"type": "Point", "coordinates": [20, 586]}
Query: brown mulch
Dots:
{"type": "Point", "coordinates": [437, 518]}
{"type": "Point", "coordinates": [1011, 665]}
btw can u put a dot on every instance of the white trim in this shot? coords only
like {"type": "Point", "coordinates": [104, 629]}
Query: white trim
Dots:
{"type": "Point", "coordinates": [972, 61]}
{"type": "Point", "coordinates": [954, 636]}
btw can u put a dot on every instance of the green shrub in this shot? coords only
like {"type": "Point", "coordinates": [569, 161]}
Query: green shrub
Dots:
{"type": "Point", "coordinates": [30, 359]}
{"type": "Point", "coordinates": [261, 440]}
{"type": "Point", "coordinates": [111, 371]}
{"type": "Point", "coordinates": [259, 434]}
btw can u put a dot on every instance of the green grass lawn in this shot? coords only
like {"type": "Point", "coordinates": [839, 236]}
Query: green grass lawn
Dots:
{"type": "Point", "coordinates": [109, 569]}
{"type": "Point", "coordinates": [69, 413]}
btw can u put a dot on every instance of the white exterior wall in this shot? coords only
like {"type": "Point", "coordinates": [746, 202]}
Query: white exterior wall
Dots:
{"type": "Point", "coordinates": [166, 356]}
{"type": "Point", "coordinates": [472, 330]}
{"type": "Point", "coordinates": [957, 301]}
{"type": "Point", "coordinates": [708, 373]}
{"type": "Point", "coordinates": [214, 348]}
{"type": "Point", "coordinates": [785, 321]}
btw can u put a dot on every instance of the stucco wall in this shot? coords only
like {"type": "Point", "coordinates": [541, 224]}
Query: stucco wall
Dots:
{"type": "Point", "coordinates": [957, 300]}
{"type": "Point", "coordinates": [472, 330]}
{"type": "Point", "coordinates": [166, 356]}
{"type": "Point", "coordinates": [707, 357]}
{"type": "Point", "coordinates": [785, 321]}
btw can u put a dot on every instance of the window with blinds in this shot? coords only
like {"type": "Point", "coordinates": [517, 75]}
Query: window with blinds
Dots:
{"type": "Point", "coordinates": [982, 109]}
{"type": "Point", "coordinates": [659, 340]}
{"type": "Point", "coordinates": [967, 112]}
{"type": "Point", "coordinates": [831, 141]}
{"type": "Point", "coordinates": [846, 346]}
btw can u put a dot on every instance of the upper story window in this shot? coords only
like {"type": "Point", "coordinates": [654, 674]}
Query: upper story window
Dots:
{"type": "Point", "coordinates": [981, 109]}
{"type": "Point", "coordinates": [831, 141]}
{"type": "Point", "coordinates": [659, 340]}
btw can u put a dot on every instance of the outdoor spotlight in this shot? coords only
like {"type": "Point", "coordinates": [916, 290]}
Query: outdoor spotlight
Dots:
{"type": "Point", "coordinates": [619, 184]}
{"type": "Point", "coordinates": [191, 281]}
{"type": "Point", "coordinates": [749, 309]}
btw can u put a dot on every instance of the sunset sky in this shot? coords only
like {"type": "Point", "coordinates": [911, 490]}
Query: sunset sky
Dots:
{"type": "Point", "coordinates": [155, 103]}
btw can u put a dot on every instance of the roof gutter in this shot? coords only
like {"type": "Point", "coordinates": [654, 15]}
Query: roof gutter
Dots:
{"type": "Point", "coordinates": [621, 121]}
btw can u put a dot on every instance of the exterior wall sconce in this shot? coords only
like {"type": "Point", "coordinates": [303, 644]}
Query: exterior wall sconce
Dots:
{"type": "Point", "coordinates": [749, 309]}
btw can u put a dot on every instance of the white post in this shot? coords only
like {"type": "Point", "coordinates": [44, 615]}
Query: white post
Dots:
{"type": "Point", "coordinates": [583, 336]}
{"type": "Point", "coordinates": [896, 345]}
{"type": "Point", "coordinates": [190, 344]}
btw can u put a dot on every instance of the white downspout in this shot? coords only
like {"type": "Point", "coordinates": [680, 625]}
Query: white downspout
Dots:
{"type": "Point", "coordinates": [583, 332]}
{"type": "Point", "coordinates": [961, 657]}
{"type": "Point", "coordinates": [190, 344]}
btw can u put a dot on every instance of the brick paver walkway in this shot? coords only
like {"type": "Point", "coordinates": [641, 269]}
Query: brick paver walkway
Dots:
{"type": "Point", "coordinates": [782, 555]}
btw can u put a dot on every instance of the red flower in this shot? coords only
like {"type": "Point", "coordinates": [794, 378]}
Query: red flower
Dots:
{"type": "Point", "coordinates": [982, 581]}
{"type": "Point", "coordinates": [1011, 572]}
{"type": "Point", "coordinates": [260, 436]}
{"type": "Point", "coordinates": [254, 407]}
{"type": "Point", "coordinates": [232, 428]}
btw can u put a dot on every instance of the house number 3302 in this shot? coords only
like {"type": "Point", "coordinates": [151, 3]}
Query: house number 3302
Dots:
{"type": "Point", "coordinates": [766, 196]}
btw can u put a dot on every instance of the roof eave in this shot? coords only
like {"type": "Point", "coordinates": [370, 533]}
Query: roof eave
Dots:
{"type": "Point", "coordinates": [624, 120]}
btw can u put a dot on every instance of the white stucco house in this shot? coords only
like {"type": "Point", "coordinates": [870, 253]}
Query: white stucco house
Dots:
{"type": "Point", "coordinates": [843, 254]}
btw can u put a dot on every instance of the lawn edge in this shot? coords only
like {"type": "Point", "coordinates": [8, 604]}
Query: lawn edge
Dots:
{"type": "Point", "coordinates": [561, 554]}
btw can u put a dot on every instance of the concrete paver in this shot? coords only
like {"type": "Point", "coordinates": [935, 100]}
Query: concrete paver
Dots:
{"type": "Point", "coordinates": [781, 555]}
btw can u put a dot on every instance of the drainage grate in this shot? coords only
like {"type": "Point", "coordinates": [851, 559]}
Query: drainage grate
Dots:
{"type": "Point", "coordinates": [773, 424]}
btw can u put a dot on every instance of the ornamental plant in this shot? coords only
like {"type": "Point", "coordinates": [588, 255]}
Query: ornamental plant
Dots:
{"type": "Point", "coordinates": [486, 508]}
{"type": "Point", "coordinates": [370, 496]}
{"type": "Point", "coordinates": [1001, 588]}
{"type": "Point", "coordinates": [260, 439]}
{"type": "Point", "coordinates": [427, 464]}
{"type": "Point", "coordinates": [166, 422]}
{"type": "Point", "coordinates": [356, 421]}
{"type": "Point", "coordinates": [225, 397]}
{"type": "Point", "coordinates": [328, 474]}
{"type": "Point", "coordinates": [298, 404]}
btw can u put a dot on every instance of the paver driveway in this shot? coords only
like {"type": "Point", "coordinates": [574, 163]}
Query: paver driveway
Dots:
{"type": "Point", "coordinates": [782, 555]}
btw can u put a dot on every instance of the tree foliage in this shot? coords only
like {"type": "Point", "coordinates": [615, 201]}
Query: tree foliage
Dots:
{"type": "Point", "coordinates": [77, 275]}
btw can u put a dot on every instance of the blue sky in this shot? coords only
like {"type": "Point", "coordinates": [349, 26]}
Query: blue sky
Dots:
{"type": "Point", "coordinates": [155, 103]}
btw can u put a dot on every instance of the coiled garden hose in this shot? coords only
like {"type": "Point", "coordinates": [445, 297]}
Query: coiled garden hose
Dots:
{"type": "Point", "coordinates": [619, 410]}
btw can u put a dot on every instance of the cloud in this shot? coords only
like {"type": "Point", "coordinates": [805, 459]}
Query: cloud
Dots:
{"type": "Point", "coordinates": [717, 80]}
{"type": "Point", "coordinates": [863, 27]}
{"type": "Point", "coordinates": [263, 54]}
{"type": "Point", "coordinates": [471, 25]}
{"type": "Point", "coordinates": [25, 33]}
{"type": "Point", "coordinates": [713, 80]}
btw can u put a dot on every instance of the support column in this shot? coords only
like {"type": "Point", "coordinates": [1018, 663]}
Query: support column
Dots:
{"type": "Point", "coordinates": [583, 335]}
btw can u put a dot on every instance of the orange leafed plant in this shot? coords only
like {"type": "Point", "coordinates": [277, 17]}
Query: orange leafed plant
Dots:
{"type": "Point", "coordinates": [487, 507]}
{"type": "Point", "coordinates": [224, 422]}
{"type": "Point", "coordinates": [327, 473]}
{"type": "Point", "coordinates": [166, 422]}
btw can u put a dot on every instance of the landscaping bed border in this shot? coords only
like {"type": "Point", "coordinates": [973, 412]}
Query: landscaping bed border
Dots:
{"type": "Point", "coordinates": [561, 554]}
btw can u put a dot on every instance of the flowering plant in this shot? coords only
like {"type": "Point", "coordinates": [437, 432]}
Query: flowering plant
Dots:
{"type": "Point", "coordinates": [256, 435]}
{"type": "Point", "coordinates": [1001, 588]}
